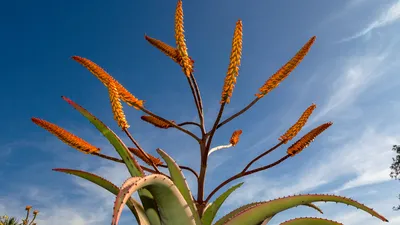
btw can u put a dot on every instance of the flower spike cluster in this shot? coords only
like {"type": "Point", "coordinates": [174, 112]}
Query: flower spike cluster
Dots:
{"type": "Point", "coordinates": [235, 137]}
{"type": "Point", "coordinates": [180, 40]}
{"type": "Point", "coordinates": [168, 50]}
{"type": "Point", "coordinates": [116, 106]}
{"type": "Point", "coordinates": [106, 78]}
{"type": "Point", "coordinates": [303, 143]}
{"type": "Point", "coordinates": [234, 63]}
{"type": "Point", "coordinates": [285, 70]}
{"type": "Point", "coordinates": [152, 159]}
{"type": "Point", "coordinates": [156, 122]}
{"type": "Point", "coordinates": [295, 129]}
{"type": "Point", "coordinates": [67, 137]}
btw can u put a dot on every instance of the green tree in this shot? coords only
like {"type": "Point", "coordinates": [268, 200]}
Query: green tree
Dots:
{"type": "Point", "coordinates": [395, 167]}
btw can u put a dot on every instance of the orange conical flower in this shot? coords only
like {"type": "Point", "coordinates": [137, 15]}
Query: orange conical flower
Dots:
{"type": "Point", "coordinates": [295, 129]}
{"type": "Point", "coordinates": [168, 50]}
{"type": "Point", "coordinates": [165, 48]}
{"type": "Point", "coordinates": [285, 70]}
{"type": "Point", "coordinates": [156, 122]}
{"type": "Point", "coordinates": [67, 137]}
{"type": "Point", "coordinates": [116, 106]}
{"type": "Point", "coordinates": [234, 63]}
{"type": "Point", "coordinates": [106, 78]}
{"type": "Point", "coordinates": [180, 39]}
{"type": "Point", "coordinates": [301, 144]}
{"type": "Point", "coordinates": [235, 137]}
{"type": "Point", "coordinates": [153, 159]}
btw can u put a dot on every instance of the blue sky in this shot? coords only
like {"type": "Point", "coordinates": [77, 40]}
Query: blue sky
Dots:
{"type": "Point", "coordinates": [351, 73]}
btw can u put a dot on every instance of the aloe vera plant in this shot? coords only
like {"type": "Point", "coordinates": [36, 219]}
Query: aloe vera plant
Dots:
{"type": "Point", "coordinates": [165, 199]}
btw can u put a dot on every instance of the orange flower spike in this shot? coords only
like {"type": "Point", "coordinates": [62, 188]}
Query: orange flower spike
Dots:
{"type": "Point", "coordinates": [285, 70]}
{"type": "Point", "coordinates": [116, 106]}
{"type": "Point", "coordinates": [295, 129]}
{"type": "Point", "coordinates": [180, 39]}
{"type": "Point", "coordinates": [233, 69]}
{"type": "Point", "coordinates": [156, 122]}
{"type": "Point", "coordinates": [165, 48]}
{"type": "Point", "coordinates": [153, 159]}
{"type": "Point", "coordinates": [106, 78]}
{"type": "Point", "coordinates": [301, 144]}
{"type": "Point", "coordinates": [235, 137]}
{"type": "Point", "coordinates": [67, 137]}
{"type": "Point", "coordinates": [168, 50]}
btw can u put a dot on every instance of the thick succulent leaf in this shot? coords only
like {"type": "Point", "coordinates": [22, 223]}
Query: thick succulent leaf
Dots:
{"type": "Point", "coordinates": [173, 208]}
{"type": "Point", "coordinates": [310, 221]}
{"type": "Point", "coordinates": [314, 207]}
{"type": "Point", "coordinates": [120, 147]}
{"type": "Point", "coordinates": [132, 165]}
{"type": "Point", "coordinates": [256, 213]}
{"type": "Point", "coordinates": [132, 204]}
{"type": "Point", "coordinates": [212, 210]}
{"type": "Point", "coordinates": [266, 221]}
{"type": "Point", "coordinates": [180, 182]}
{"type": "Point", "coordinates": [230, 215]}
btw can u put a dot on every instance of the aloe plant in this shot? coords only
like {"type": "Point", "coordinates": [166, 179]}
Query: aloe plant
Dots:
{"type": "Point", "coordinates": [5, 220]}
{"type": "Point", "coordinates": [165, 198]}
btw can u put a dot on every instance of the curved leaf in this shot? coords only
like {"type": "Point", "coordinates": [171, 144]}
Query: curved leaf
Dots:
{"type": "Point", "coordinates": [132, 165]}
{"type": "Point", "coordinates": [180, 182]}
{"type": "Point", "coordinates": [173, 208]}
{"type": "Point", "coordinates": [310, 221]}
{"type": "Point", "coordinates": [256, 213]}
{"type": "Point", "coordinates": [132, 204]}
{"type": "Point", "coordinates": [314, 207]}
{"type": "Point", "coordinates": [212, 210]}
{"type": "Point", "coordinates": [266, 221]}
{"type": "Point", "coordinates": [236, 211]}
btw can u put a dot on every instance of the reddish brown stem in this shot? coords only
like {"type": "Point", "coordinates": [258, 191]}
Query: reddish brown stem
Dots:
{"type": "Point", "coordinates": [121, 161]}
{"type": "Point", "coordinates": [242, 174]}
{"type": "Point", "coordinates": [196, 101]}
{"type": "Point", "coordinates": [189, 123]}
{"type": "Point", "coordinates": [184, 168]}
{"type": "Point", "coordinates": [207, 139]}
{"type": "Point", "coordinates": [141, 150]}
{"type": "Point", "coordinates": [197, 90]}
{"type": "Point", "coordinates": [261, 155]}
{"type": "Point", "coordinates": [238, 113]}
{"type": "Point", "coordinates": [171, 124]}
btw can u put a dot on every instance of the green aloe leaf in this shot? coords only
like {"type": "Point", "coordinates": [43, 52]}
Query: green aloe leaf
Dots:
{"type": "Point", "coordinates": [212, 210]}
{"type": "Point", "coordinates": [132, 165]}
{"type": "Point", "coordinates": [173, 208]}
{"type": "Point", "coordinates": [310, 221]}
{"type": "Point", "coordinates": [314, 207]}
{"type": "Point", "coordinates": [266, 221]}
{"type": "Point", "coordinates": [257, 212]}
{"type": "Point", "coordinates": [236, 211]}
{"type": "Point", "coordinates": [180, 182]}
{"type": "Point", "coordinates": [132, 204]}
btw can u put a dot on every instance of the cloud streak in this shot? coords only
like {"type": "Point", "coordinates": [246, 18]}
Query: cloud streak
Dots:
{"type": "Point", "coordinates": [388, 17]}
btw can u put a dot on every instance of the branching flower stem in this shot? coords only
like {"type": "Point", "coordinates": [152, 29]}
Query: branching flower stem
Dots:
{"type": "Point", "coordinates": [141, 150]}
{"type": "Point", "coordinates": [261, 155]}
{"type": "Point", "coordinates": [242, 174]}
{"type": "Point", "coordinates": [204, 148]}
{"type": "Point", "coordinates": [200, 101]}
{"type": "Point", "coordinates": [238, 113]}
{"type": "Point", "coordinates": [172, 124]}
{"type": "Point", "coordinates": [121, 161]}
{"type": "Point", "coordinates": [189, 123]}
{"type": "Point", "coordinates": [197, 102]}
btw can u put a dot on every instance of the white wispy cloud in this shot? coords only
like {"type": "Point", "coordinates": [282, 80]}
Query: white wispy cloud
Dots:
{"type": "Point", "coordinates": [388, 17]}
